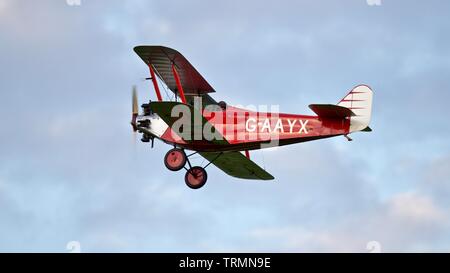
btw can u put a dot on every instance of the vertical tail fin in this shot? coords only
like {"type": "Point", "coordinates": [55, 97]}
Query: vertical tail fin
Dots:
{"type": "Point", "coordinates": [359, 100]}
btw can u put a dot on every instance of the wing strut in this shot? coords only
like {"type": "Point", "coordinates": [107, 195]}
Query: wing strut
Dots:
{"type": "Point", "coordinates": [155, 84]}
{"type": "Point", "coordinates": [178, 82]}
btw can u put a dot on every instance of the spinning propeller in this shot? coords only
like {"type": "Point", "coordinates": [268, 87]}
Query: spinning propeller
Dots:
{"type": "Point", "coordinates": [134, 114]}
{"type": "Point", "coordinates": [135, 109]}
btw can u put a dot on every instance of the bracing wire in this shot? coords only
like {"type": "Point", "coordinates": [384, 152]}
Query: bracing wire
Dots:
{"type": "Point", "coordinates": [264, 161]}
{"type": "Point", "coordinates": [165, 90]}
{"type": "Point", "coordinates": [161, 83]}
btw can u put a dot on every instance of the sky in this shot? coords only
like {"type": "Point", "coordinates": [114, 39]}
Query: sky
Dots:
{"type": "Point", "coordinates": [70, 169]}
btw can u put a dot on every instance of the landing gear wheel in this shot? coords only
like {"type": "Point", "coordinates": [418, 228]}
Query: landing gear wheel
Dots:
{"type": "Point", "coordinates": [196, 177]}
{"type": "Point", "coordinates": [175, 159]}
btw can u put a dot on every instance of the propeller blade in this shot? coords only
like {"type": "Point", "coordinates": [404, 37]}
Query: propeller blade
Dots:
{"type": "Point", "coordinates": [135, 109]}
{"type": "Point", "coordinates": [135, 101]}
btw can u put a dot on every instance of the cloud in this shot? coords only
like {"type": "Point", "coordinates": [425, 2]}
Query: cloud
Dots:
{"type": "Point", "coordinates": [405, 221]}
{"type": "Point", "coordinates": [411, 207]}
{"type": "Point", "coordinates": [3, 6]}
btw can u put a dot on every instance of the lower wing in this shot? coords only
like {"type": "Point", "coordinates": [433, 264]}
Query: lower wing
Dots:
{"type": "Point", "coordinates": [236, 164]}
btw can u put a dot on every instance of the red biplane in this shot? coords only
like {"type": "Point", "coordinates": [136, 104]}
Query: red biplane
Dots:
{"type": "Point", "coordinates": [224, 134]}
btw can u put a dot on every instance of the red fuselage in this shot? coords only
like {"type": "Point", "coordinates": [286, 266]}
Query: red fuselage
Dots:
{"type": "Point", "coordinates": [240, 129]}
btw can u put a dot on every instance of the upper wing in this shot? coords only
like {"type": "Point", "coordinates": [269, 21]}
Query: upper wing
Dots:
{"type": "Point", "coordinates": [162, 58]}
{"type": "Point", "coordinates": [236, 164]}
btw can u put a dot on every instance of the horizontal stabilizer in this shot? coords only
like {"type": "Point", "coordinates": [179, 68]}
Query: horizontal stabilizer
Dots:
{"type": "Point", "coordinates": [367, 129]}
{"type": "Point", "coordinates": [331, 111]}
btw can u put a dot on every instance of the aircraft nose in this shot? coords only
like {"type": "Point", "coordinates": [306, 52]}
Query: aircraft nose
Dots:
{"type": "Point", "coordinates": [143, 121]}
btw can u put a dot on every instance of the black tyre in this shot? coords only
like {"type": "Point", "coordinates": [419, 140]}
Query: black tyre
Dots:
{"type": "Point", "coordinates": [175, 159]}
{"type": "Point", "coordinates": [196, 177]}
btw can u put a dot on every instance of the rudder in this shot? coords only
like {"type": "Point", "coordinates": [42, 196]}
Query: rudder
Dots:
{"type": "Point", "coordinates": [359, 100]}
